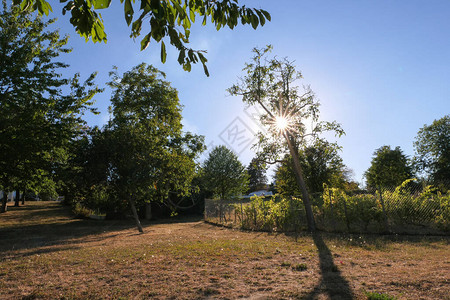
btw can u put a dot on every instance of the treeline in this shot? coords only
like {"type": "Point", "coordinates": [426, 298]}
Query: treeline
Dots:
{"type": "Point", "coordinates": [46, 147]}
{"type": "Point", "coordinates": [142, 156]}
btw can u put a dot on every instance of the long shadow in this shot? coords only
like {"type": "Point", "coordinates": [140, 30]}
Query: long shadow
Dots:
{"type": "Point", "coordinates": [332, 282]}
{"type": "Point", "coordinates": [59, 229]}
{"type": "Point", "coordinates": [32, 238]}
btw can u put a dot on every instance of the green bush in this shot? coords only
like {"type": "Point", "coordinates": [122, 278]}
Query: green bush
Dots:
{"type": "Point", "coordinates": [276, 214]}
{"type": "Point", "coordinates": [408, 204]}
{"type": "Point", "coordinates": [81, 211]}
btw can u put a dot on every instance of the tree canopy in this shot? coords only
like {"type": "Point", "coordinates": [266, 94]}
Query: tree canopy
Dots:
{"type": "Point", "coordinates": [432, 147]}
{"type": "Point", "coordinates": [158, 19]}
{"type": "Point", "coordinates": [224, 174]}
{"type": "Point", "coordinates": [388, 169]}
{"type": "Point", "coordinates": [320, 163]}
{"type": "Point", "coordinates": [151, 156]}
{"type": "Point", "coordinates": [40, 110]}
{"type": "Point", "coordinates": [272, 84]}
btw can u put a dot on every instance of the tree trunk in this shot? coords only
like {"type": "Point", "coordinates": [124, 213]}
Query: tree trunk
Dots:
{"type": "Point", "coordinates": [135, 215]}
{"type": "Point", "coordinates": [17, 198]}
{"type": "Point", "coordinates": [301, 183]}
{"type": "Point", "coordinates": [148, 211]}
{"type": "Point", "coordinates": [4, 201]}
{"type": "Point", "coordinates": [23, 197]}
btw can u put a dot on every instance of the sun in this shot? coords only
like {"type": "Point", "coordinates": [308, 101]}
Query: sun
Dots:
{"type": "Point", "coordinates": [281, 123]}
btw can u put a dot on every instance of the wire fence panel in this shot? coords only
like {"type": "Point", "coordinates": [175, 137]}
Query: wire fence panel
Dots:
{"type": "Point", "coordinates": [407, 209]}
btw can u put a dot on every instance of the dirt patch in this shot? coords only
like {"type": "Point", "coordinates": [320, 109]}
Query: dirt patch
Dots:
{"type": "Point", "coordinates": [47, 254]}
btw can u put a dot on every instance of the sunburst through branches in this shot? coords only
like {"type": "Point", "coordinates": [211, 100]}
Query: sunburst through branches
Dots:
{"type": "Point", "coordinates": [284, 120]}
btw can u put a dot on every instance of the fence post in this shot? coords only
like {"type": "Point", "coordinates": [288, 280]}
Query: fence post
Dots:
{"type": "Point", "coordinates": [331, 208]}
{"type": "Point", "coordinates": [386, 224]}
{"type": "Point", "coordinates": [220, 211]}
{"type": "Point", "coordinates": [254, 214]}
{"type": "Point", "coordinates": [242, 212]}
{"type": "Point", "coordinates": [347, 220]}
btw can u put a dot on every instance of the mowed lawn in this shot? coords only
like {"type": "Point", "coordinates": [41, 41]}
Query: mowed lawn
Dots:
{"type": "Point", "coordinates": [46, 253]}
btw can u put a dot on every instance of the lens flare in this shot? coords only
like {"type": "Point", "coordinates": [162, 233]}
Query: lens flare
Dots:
{"type": "Point", "coordinates": [281, 123]}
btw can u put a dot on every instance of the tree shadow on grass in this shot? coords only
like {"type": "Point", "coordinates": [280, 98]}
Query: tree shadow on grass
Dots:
{"type": "Point", "coordinates": [52, 237]}
{"type": "Point", "coordinates": [332, 283]}
{"type": "Point", "coordinates": [44, 227]}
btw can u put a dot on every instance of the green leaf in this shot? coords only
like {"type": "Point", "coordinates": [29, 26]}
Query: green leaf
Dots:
{"type": "Point", "coordinates": [254, 20]}
{"type": "Point", "coordinates": [128, 8]}
{"type": "Point", "coordinates": [145, 42]}
{"type": "Point", "coordinates": [262, 20]}
{"type": "Point", "coordinates": [187, 66]}
{"type": "Point", "coordinates": [204, 60]}
{"type": "Point", "coordinates": [192, 15]}
{"type": "Point", "coordinates": [181, 57]}
{"type": "Point", "coordinates": [180, 10]}
{"type": "Point", "coordinates": [266, 14]}
{"type": "Point", "coordinates": [100, 4]}
{"type": "Point", "coordinates": [43, 7]}
{"type": "Point", "coordinates": [163, 52]}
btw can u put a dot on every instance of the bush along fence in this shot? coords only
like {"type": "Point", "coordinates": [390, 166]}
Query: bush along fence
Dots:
{"type": "Point", "coordinates": [410, 209]}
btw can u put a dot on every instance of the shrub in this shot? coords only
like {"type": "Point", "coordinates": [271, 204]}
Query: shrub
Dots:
{"type": "Point", "coordinates": [82, 212]}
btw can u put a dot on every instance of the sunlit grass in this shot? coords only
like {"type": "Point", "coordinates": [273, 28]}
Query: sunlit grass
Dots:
{"type": "Point", "coordinates": [108, 259]}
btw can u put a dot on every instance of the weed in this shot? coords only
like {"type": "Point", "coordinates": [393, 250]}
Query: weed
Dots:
{"type": "Point", "coordinates": [285, 264]}
{"type": "Point", "coordinates": [378, 296]}
{"type": "Point", "coordinates": [300, 267]}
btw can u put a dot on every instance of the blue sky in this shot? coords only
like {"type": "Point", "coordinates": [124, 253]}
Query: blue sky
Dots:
{"type": "Point", "coordinates": [380, 68]}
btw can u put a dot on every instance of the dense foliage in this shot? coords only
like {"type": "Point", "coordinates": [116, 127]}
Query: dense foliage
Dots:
{"type": "Point", "coordinates": [388, 169]}
{"type": "Point", "coordinates": [141, 155]}
{"type": "Point", "coordinates": [224, 174]}
{"type": "Point", "coordinates": [432, 146]}
{"type": "Point", "coordinates": [41, 111]}
{"type": "Point", "coordinates": [408, 207]}
{"type": "Point", "coordinates": [171, 19]}
{"type": "Point", "coordinates": [320, 163]}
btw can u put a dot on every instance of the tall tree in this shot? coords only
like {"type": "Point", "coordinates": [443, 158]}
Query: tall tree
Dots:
{"type": "Point", "coordinates": [256, 171]}
{"type": "Point", "coordinates": [224, 174]}
{"type": "Point", "coordinates": [271, 84]}
{"type": "Point", "coordinates": [37, 118]}
{"type": "Point", "coordinates": [150, 155]}
{"type": "Point", "coordinates": [388, 169]}
{"type": "Point", "coordinates": [170, 19]}
{"type": "Point", "coordinates": [432, 147]}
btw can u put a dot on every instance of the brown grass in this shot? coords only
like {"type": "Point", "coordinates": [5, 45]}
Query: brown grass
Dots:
{"type": "Point", "coordinates": [48, 254]}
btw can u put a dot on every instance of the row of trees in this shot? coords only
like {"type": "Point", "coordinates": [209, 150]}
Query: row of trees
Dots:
{"type": "Point", "coordinates": [431, 162]}
{"type": "Point", "coordinates": [142, 154]}
{"type": "Point", "coordinates": [45, 145]}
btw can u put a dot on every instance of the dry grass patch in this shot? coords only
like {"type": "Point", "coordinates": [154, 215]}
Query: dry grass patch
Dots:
{"type": "Point", "coordinates": [46, 254]}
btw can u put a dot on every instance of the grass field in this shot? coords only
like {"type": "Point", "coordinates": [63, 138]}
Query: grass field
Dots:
{"type": "Point", "coordinates": [47, 254]}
